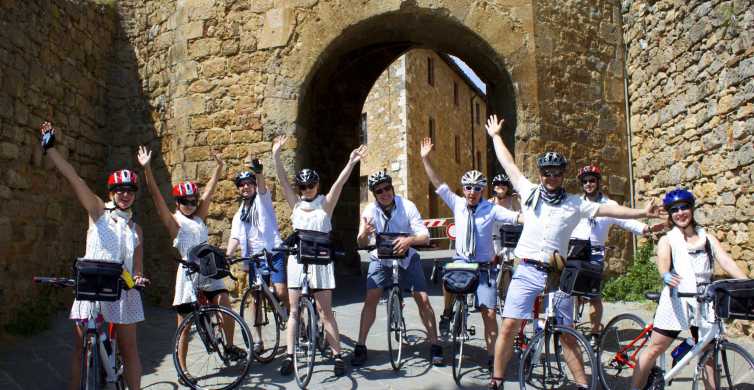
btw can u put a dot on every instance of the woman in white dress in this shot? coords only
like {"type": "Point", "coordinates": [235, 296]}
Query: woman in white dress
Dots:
{"type": "Point", "coordinates": [113, 236]}
{"type": "Point", "coordinates": [685, 265]}
{"type": "Point", "coordinates": [312, 211]}
{"type": "Point", "coordinates": [187, 229]}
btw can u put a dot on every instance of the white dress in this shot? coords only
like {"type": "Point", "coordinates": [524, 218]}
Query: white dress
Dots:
{"type": "Point", "coordinates": [311, 216]}
{"type": "Point", "coordinates": [113, 238]}
{"type": "Point", "coordinates": [192, 232]}
{"type": "Point", "coordinates": [693, 268]}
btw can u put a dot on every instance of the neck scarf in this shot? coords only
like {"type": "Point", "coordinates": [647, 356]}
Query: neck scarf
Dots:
{"type": "Point", "coordinates": [117, 212]}
{"type": "Point", "coordinates": [468, 245]}
{"type": "Point", "coordinates": [249, 211]}
{"type": "Point", "coordinates": [552, 198]}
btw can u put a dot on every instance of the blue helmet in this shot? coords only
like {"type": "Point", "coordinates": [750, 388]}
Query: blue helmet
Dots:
{"type": "Point", "coordinates": [678, 195]}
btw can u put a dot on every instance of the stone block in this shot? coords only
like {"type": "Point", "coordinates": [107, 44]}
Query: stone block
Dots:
{"type": "Point", "coordinates": [745, 155]}
{"type": "Point", "coordinates": [214, 67]}
{"type": "Point", "coordinates": [192, 30]}
{"type": "Point", "coordinates": [278, 28]}
{"type": "Point", "coordinates": [188, 106]}
{"type": "Point", "coordinates": [186, 71]}
{"type": "Point", "coordinates": [8, 151]}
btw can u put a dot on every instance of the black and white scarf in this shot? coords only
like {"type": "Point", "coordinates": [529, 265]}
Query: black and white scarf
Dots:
{"type": "Point", "coordinates": [553, 198]}
{"type": "Point", "coordinates": [249, 211]}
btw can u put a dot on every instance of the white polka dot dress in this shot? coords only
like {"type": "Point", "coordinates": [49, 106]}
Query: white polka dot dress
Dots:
{"type": "Point", "coordinates": [192, 232]}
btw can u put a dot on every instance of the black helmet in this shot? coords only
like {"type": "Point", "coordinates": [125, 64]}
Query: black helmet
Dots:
{"type": "Point", "coordinates": [552, 160]}
{"type": "Point", "coordinates": [245, 175]}
{"type": "Point", "coordinates": [307, 176]}
{"type": "Point", "coordinates": [501, 179]}
{"type": "Point", "coordinates": [378, 178]}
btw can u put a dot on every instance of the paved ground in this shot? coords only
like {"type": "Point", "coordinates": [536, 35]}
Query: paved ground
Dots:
{"type": "Point", "coordinates": [42, 361]}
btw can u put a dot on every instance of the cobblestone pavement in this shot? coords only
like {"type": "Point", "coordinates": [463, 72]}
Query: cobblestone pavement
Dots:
{"type": "Point", "coordinates": [42, 362]}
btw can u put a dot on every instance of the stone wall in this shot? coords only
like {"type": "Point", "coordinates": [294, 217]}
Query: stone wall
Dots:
{"type": "Point", "coordinates": [54, 60]}
{"type": "Point", "coordinates": [691, 88]}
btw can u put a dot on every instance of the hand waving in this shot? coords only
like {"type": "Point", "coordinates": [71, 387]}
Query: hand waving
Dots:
{"type": "Point", "coordinates": [357, 154]}
{"type": "Point", "coordinates": [278, 144]}
{"type": "Point", "coordinates": [426, 147]}
{"type": "Point", "coordinates": [494, 126]}
{"type": "Point", "coordinates": [144, 155]}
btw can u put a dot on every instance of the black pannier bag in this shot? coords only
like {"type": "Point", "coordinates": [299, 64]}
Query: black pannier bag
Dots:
{"type": "Point", "coordinates": [98, 280]}
{"type": "Point", "coordinates": [384, 244]}
{"type": "Point", "coordinates": [211, 260]}
{"type": "Point", "coordinates": [734, 298]}
{"type": "Point", "coordinates": [314, 247]}
{"type": "Point", "coordinates": [510, 234]}
{"type": "Point", "coordinates": [579, 250]}
{"type": "Point", "coordinates": [582, 278]}
{"type": "Point", "coordinates": [461, 278]}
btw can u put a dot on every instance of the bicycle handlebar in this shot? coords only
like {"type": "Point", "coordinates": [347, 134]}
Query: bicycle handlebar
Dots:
{"type": "Point", "coordinates": [68, 282]}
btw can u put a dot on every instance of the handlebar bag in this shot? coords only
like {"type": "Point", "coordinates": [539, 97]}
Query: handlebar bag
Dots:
{"type": "Point", "coordinates": [314, 247]}
{"type": "Point", "coordinates": [460, 279]}
{"type": "Point", "coordinates": [582, 278]}
{"type": "Point", "coordinates": [510, 234]}
{"type": "Point", "coordinates": [98, 280]}
{"type": "Point", "coordinates": [734, 299]}
{"type": "Point", "coordinates": [384, 244]}
{"type": "Point", "coordinates": [579, 250]}
{"type": "Point", "coordinates": [211, 260]}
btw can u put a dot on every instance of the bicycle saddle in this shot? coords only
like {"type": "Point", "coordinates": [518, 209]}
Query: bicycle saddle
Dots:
{"type": "Point", "coordinates": [652, 296]}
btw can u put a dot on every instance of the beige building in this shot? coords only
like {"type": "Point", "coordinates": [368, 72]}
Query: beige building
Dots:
{"type": "Point", "coordinates": [423, 94]}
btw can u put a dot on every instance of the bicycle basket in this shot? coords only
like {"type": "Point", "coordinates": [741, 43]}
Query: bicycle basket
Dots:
{"type": "Point", "coordinates": [460, 280]}
{"type": "Point", "coordinates": [314, 247]}
{"type": "Point", "coordinates": [582, 278]}
{"type": "Point", "coordinates": [509, 235]}
{"type": "Point", "coordinates": [734, 298]}
{"type": "Point", "coordinates": [98, 280]}
{"type": "Point", "coordinates": [579, 250]}
{"type": "Point", "coordinates": [211, 260]}
{"type": "Point", "coordinates": [384, 243]}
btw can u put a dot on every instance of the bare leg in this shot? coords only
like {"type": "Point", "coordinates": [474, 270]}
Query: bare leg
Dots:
{"type": "Point", "coordinates": [573, 358]}
{"type": "Point", "coordinates": [228, 324]}
{"type": "Point", "coordinates": [504, 345]}
{"type": "Point", "coordinates": [658, 344]}
{"type": "Point", "coordinates": [595, 314]}
{"type": "Point", "coordinates": [76, 357]}
{"type": "Point", "coordinates": [427, 315]}
{"type": "Point", "coordinates": [293, 296]}
{"type": "Point", "coordinates": [130, 352]}
{"type": "Point", "coordinates": [182, 343]}
{"type": "Point", "coordinates": [490, 328]}
{"type": "Point", "coordinates": [368, 313]}
{"type": "Point", "coordinates": [281, 289]}
{"type": "Point", "coordinates": [324, 306]}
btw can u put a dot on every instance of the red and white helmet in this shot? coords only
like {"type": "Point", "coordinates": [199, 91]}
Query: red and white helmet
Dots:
{"type": "Point", "coordinates": [123, 178]}
{"type": "Point", "coordinates": [185, 188]}
{"type": "Point", "coordinates": [590, 170]}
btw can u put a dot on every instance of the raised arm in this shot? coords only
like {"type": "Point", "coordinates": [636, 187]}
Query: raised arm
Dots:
{"type": "Point", "coordinates": [145, 158]}
{"type": "Point", "coordinates": [280, 172]}
{"type": "Point", "coordinates": [209, 190]}
{"type": "Point", "coordinates": [426, 149]}
{"type": "Point", "coordinates": [723, 258]}
{"type": "Point", "coordinates": [257, 168]}
{"type": "Point", "coordinates": [494, 127]}
{"type": "Point", "coordinates": [622, 212]}
{"type": "Point", "coordinates": [93, 205]}
{"type": "Point", "coordinates": [366, 229]}
{"type": "Point", "coordinates": [331, 199]}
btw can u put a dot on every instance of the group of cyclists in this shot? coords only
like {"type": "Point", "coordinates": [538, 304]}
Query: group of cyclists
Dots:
{"type": "Point", "coordinates": [550, 217]}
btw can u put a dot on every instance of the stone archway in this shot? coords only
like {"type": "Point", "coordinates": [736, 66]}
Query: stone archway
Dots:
{"type": "Point", "coordinates": [334, 91]}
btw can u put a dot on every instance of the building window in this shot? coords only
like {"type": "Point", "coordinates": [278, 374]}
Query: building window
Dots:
{"type": "Point", "coordinates": [457, 149]}
{"type": "Point", "coordinates": [363, 189]}
{"type": "Point", "coordinates": [455, 93]}
{"type": "Point", "coordinates": [363, 129]}
{"type": "Point", "coordinates": [432, 129]}
{"type": "Point", "coordinates": [478, 160]}
{"type": "Point", "coordinates": [430, 71]}
{"type": "Point", "coordinates": [477, 114]}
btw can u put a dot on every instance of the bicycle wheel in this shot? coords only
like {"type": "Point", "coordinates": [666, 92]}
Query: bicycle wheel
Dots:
{"type": "Point", "coordinates": [396, 328]}
{"type": "Point", "coordinates": [459, 335]}
{"type": "Point", "coordinates": [305, 342]}
{"type": "Point", "coordinates": [734, 369]}
{"type": "Point", "coordinates": [260, 315]}
{"type": "Point", "coordinates": [215, 357]}
{"type": "Point", "coordinates": [618, 343]}
{"type": "Point", "coordinates": [547, 363]}
{"type": "Point", "coordinates": [90, 369]}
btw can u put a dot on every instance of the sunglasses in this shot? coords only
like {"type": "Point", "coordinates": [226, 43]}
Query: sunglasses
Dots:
{"type": "Point", "coordinates": [124, 189]}
{"type": "Point", "coordinates": [680, 207]}
{"type": "Point", "coordinates": [552, 173]}
{"type": "Point", "coordinates": [473, 188]}
{"type": "Point", "coordinates": [586, 181]}
{"type": "Point", "coordinates": [187, 202]}
{"type": "Point", "coordinates": [303, 187]}
{"type": "Point", "coordinates": [379, 191]}
{"type": "Point", "coordinates": [246, 183]}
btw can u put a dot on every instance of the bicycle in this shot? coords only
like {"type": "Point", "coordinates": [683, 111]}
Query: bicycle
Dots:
{"type": "Point", "coordinates": [212, 360]}
{"type": "Point", "coordinates": [101, 363]}
{"type": "Point", "coordinates": [542, 366]}
{"type": "Point", "coordinates": [309, 334]}
{"type": "Point", "coordinates": [508, 236]}
{"type": "Point", "coordinates": [261, 305]}
{"type": "Point", "coordinates": [626, 335]}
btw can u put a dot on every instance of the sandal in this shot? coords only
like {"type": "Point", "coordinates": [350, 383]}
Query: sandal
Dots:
{"type": "Point", "coordinates": [234, 353]}
{"type": "Point", "coordinates": [495, 384]}
{"type": "Point", "coordinates": [339, 369]}
{"type": "Point", "coordinates": [287, 367]}
{"type": "Point", "coordinates": [190, 380]}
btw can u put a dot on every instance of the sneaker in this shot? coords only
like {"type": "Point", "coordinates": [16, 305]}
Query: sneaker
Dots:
{"type": "Point", "coordinates": [258, 348]}
{"type": "Point", "coordinates": [190, 380]}
{"type": "Point", "coordinates": [438, 358]}
{"type": "Point", "coordinates": [235, 353]}
{"type": "Point", "coordinates": [444, 324]}
{"type": "Point", "coordinates": [359, 355]}
{"type": "Point", "coordinates": [287, 367]}
{"type": "Point", "coordinates": [339, 368]}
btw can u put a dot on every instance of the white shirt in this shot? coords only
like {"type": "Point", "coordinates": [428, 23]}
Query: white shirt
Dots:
{"type": "Point", "coordinates": [255, 238]}
{"type": "Point", "coordinates": [485, 217]}
{"type": "Point", "coordinates": [405, 218]}
{"type": "Point", "coordinates": [597, 229]}
{"type": "Point", "coordinates": [548, 228]}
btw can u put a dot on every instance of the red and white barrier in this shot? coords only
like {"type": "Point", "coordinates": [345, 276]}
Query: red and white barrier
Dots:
{"type": "Point", "coordinates": [436, 222]}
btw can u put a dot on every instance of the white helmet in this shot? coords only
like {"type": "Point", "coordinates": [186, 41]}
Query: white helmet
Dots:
{"type": "Point", "coordinates": [474, 178]}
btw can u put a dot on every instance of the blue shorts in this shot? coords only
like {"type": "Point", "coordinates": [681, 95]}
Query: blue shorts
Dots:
{"type": "Point", "coordinates": [527, 283]}
{"type": "Point", "coordinates": [380, 275]}
{"type": "Point", "coordinates": [486, 292]}
{"type": "Point", "coordinates": [279, 275]}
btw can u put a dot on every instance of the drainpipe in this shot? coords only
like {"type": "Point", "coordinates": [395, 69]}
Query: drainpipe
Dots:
{"type": "Point", "coordinates": [471, 122]}
{"type": "Point", "coordinates": [632, 195]}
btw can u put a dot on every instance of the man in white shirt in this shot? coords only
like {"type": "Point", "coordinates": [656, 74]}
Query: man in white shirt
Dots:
{"type": "Point", "coordinates": [551, 214]}
{"type": "Point", "coordinates": [391, 213]}
{"type": "Point", "coordinates": [475, 220]}
{"type": "Point", "coordinates": [596, 230]}
{"type": "Point", "coordinates": [255, 228]}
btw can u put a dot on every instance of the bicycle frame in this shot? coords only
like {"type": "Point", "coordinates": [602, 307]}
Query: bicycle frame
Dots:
{"type": "Point", "coordinates": [715, 333]}
{"type": "Point", "coordinates": [261, 284]}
